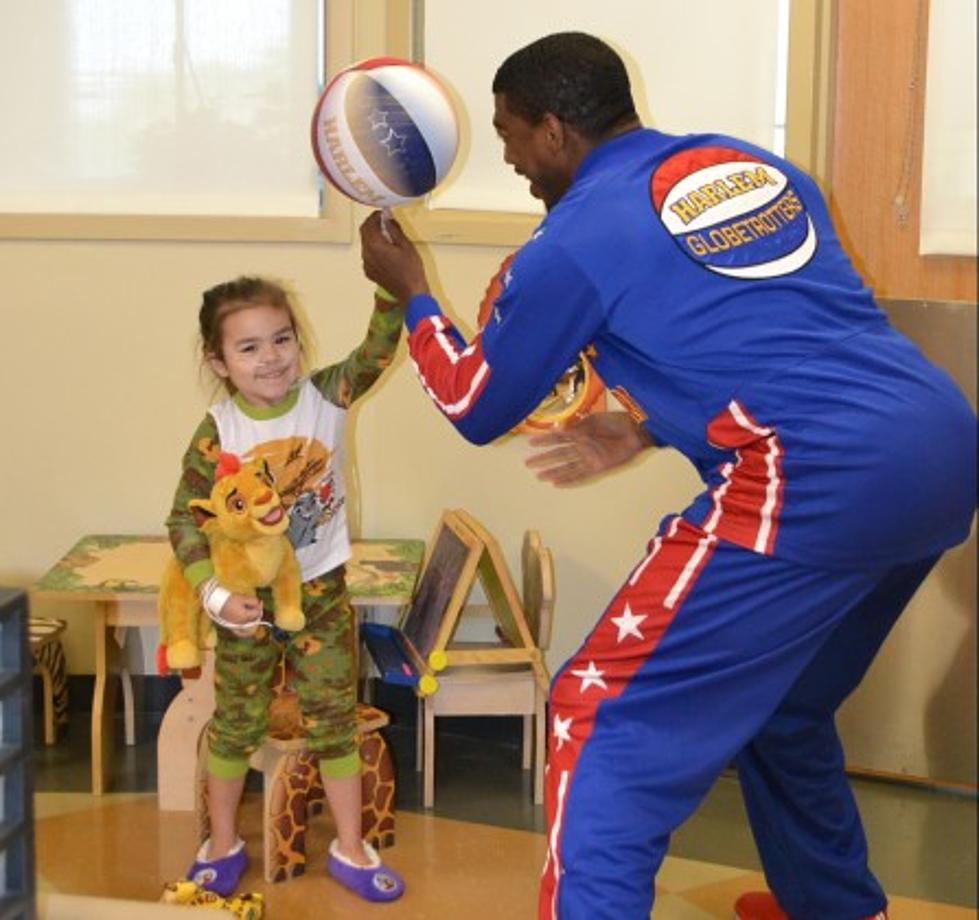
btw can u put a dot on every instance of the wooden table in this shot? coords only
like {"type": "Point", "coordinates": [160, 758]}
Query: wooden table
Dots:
{"type": "Point", "coordinates": [120, 574]}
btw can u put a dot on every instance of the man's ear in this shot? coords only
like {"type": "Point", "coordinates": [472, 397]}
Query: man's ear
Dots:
{"type": "Point", "coordinates": [555, 131]}
{"type": "Point", "coordinates": [202, 510]}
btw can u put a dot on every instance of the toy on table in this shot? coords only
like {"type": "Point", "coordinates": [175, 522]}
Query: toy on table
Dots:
{"type": "Point", "coordinates": [249, 906]}
{"type": "Point", "coordinates": [245, 523]}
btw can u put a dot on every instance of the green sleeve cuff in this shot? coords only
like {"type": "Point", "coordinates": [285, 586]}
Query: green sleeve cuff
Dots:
{"type": "Point", "coordinates": [340, 767]}
{"type": "Point", "coordinates": [388, 322]}
{"type": "Point", "coordinates": [385, 295]}
{"type": "Point", "coordinates": [226, 768]}
{"type": "Point", "coordinates": [199, 572]}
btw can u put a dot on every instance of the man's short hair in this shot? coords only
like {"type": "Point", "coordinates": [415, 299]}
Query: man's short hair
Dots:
{"type": "Point", "coordinates": [572, 75]}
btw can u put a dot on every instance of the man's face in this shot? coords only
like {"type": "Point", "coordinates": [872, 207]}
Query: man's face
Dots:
{"type": "Point", "coordinates": [534, 152]}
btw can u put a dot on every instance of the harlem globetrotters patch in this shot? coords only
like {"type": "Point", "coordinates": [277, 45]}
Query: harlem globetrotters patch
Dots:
{"type": "Point", "coordinates": [733, 213]}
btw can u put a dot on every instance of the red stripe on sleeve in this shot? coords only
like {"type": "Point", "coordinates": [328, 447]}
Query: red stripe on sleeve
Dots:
{"type": "Point", "coordinates": [454, 378]}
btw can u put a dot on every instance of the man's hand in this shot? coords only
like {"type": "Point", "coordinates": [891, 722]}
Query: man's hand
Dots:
{"type": "Point", "coordinates": [598, 442]}
{"type": "Point", "coordinates": [392, 263]}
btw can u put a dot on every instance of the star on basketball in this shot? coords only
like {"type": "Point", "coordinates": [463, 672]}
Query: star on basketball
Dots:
{"type": "Point", "coordinates": [394, 143]}
{"type": "Point", "coordinates": [377, 118]}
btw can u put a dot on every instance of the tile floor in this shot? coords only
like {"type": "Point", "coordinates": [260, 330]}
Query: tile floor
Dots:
{"type": "Point", "coordinates": [477, 853]}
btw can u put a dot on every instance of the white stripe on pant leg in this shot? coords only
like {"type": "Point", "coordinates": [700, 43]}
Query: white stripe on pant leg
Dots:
{"type": "Point", "coordinates": [555, 833]}
{"type": "Point", "coordinates": [688, 571]}
{"type": "Point", "coordinates": [719, 492]}
{"type": "Point", "coordinates": [771, 494]}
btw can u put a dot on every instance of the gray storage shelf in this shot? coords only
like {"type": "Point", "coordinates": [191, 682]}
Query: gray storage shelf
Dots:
{"type": "Point", "coordinates": [17, 882]}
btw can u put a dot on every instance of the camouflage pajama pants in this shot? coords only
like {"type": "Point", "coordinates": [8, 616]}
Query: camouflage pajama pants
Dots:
{"type": "Point", "coordinates": [323, 659]}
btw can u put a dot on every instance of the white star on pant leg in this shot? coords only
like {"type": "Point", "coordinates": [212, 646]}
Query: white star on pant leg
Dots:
{"type": "Point", "coordinates": [590, 675]}
{"type": "Point", "coordinates": [562, 730]}
{"type": "Point", "coordinates": [628, 624]}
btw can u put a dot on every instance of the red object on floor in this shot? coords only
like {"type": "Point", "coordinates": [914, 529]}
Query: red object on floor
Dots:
{"type": "Point", "coordinates": [761, 905]}
{"type": "Point", "coordinates": [758, 905]}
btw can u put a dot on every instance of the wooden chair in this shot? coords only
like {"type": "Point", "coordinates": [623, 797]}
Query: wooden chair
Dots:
{"type": "Point", "coordinates": [49, 661]}
{"type": "Point", "coordinates": [293, 789]}
{"type": "Point", "coordinates": [499, 689]}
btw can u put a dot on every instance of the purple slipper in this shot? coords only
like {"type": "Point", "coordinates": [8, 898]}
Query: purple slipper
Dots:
{"type": "Point", "coordinates": [375, 882]}
{"type": "Point", "coordinates": [219, 875]}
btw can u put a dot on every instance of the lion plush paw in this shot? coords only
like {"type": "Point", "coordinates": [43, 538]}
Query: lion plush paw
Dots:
{"type": "Point", "coordinates": [183, 654]}
{"type": "Point", "coordinates": [291, 619]}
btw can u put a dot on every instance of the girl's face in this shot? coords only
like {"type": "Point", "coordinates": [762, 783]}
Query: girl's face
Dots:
{"type": "Point", "coordinates": [260, 354]}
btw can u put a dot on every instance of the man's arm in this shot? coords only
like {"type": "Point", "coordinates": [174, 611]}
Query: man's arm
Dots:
{"type": "Point", "coordinates": [547, 313]}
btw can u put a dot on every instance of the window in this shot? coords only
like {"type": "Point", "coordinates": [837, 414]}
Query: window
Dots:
{"type": "Point", "coordinates": [760, 74]}
{"type": "Point", "coordinates": [168, 118]}
{"type": "Point", "coordinates": [948, 188]}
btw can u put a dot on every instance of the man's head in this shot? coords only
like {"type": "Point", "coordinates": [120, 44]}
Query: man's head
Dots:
{"type": "Point", "coordinates": [556, 99]}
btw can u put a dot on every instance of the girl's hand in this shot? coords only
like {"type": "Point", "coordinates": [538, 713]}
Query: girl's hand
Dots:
{"type": "Point", "coordinates": [598, 442]}
{"type": "Point", "coordinates": [242, 608]}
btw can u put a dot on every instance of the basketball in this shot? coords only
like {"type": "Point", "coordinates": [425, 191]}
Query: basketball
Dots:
{"type": "Point", "coordinates": [384, 132]}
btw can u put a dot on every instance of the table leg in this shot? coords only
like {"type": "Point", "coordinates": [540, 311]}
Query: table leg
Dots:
{"type": "Point", "coordinates": [128, 706]}
{"type": "Point", "coordinates": [103, 698]}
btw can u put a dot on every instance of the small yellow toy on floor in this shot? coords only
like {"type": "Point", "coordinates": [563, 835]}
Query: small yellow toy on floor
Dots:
{"type": "Point", "coordinates": [189, 894]}
{"type": "Point", "coordinates": [245, 523]}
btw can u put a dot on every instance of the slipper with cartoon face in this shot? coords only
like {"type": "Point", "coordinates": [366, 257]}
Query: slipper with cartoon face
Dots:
{"type": "Point", "coordinates": [375, 882]}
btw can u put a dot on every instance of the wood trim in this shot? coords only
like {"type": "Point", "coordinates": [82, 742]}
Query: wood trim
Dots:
{"type": "Point", "coordinates": [907, 779]}
{"type": "Point", "coordinates": [878, 131]}
{"type": "Point", "coordinates": [808, 134]}
{"type": "Point", "coordinates": [334, 225]}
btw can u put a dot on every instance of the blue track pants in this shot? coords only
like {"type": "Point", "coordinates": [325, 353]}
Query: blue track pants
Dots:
{"type": "Point", "coordinates": [710, 654]}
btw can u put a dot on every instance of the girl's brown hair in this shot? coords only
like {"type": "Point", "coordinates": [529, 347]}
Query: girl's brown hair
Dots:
{"type": "Point", "coordinates": [243, 292]}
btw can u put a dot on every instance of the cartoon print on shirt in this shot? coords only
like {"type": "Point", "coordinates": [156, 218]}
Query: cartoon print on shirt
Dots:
{"type": "Point", "coordinates": [733, 213]}
{"type": "Point", "coordinates": [311, 510]}
{"type": "Point", "coordinates": [303, 520]}
{"type": "Point", "coordinates": [304, 477]}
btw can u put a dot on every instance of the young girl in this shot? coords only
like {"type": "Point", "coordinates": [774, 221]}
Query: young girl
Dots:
{"type": "Point", "coordinates": [253, 341]}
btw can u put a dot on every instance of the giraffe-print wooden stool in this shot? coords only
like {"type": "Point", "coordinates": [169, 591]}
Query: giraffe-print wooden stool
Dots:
{"type": "Point", "coordinates": [49, 662]}
{"type": "Point", "coordinates": [293, 788]}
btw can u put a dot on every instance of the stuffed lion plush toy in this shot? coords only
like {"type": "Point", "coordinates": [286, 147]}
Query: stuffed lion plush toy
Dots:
{"type": "Point", "coordinates": [245, 524]}
{"type": "Point", "coordinates": [188, 894]}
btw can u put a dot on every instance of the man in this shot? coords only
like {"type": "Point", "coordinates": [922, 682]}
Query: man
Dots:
{"type": "Point", "coordinates": [704, 276]}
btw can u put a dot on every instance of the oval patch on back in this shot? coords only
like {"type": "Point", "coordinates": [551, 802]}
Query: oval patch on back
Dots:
{"type": "Point", "coordinates": [733, 213]}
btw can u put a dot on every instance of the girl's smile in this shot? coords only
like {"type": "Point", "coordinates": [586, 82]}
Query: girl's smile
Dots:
{"type": "Point", "coordinates": [260, 354]}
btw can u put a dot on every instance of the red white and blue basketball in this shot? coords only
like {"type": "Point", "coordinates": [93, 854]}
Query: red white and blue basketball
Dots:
{"type": "Point", "coordinates": [385, 132]}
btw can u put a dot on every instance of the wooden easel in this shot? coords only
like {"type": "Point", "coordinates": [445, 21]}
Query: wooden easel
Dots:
{"type": "Point", "coordinates": [507, 609]}
{"type": "Point", "coordinates": [462, 550]}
